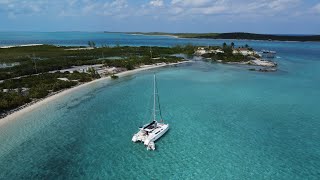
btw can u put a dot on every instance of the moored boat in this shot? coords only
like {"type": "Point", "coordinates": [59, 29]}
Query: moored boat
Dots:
{"type": "Point", "coordinates": [268, 54]}
{"type": "Point", "coordinates": [152, 131]}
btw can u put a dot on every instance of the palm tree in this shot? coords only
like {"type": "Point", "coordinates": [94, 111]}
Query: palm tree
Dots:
{"type": "Point", "coordinates": [224, 45]}
{"type": "Point", "coordinates": [232, 45]}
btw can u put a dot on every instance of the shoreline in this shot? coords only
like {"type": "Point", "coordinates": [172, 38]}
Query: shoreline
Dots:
{"type": "Point", "coordinates": [259, 40]}
{"type": "Point", "coordinates": [164, 35]}
{"type": "Point", "coordinates": [172, 36]}
{"type": "Point", "coordinates": [22, 45]}
{"type": "Point", "coordinates": [36, 104]}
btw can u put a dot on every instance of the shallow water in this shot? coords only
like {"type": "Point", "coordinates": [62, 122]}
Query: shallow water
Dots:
{"type": "Point", "coordinates": [226, 123]}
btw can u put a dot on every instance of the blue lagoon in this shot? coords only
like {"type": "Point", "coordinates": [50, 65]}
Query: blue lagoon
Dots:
{"type": "Point", "coordinates": [226, 123]}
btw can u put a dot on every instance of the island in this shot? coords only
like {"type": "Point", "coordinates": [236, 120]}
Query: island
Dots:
{"type": "Point", "coordinates": [36, 72]}
{"type": "Point", "coordinates": [32, 73]}
{"type": "Point", "coordinates": [243, 55]}
{"type": "Point", "coordinates": [236, 35]}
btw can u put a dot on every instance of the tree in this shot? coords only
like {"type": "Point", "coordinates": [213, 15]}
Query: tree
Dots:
{"type": "Point", "coordinates": [232, 45]}
{"type": "Point", "coordinates": [224, 45]}
{"type": "Point", "coordinates": [11, 100]}
{"type": "Point", "coordinates": [39, 91]}
{"type": "Point", "coordinates": [113, 76]}
{"type": "Point", "coordinates": [227, 49]}
{"type": "Point", "coordinates": [91, 44]}
{"type": "Point", "coordinates": [93, 72]}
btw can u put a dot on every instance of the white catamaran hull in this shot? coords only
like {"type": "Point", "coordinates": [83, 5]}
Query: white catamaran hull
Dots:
{"type": "Point", "coordinates": [155, 136]}
{"type": "Point", "coordinates": [141, 136]}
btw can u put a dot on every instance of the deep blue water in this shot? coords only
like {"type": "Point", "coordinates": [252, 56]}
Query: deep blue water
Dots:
{"type": "Point", "coordinates": [226, 123]}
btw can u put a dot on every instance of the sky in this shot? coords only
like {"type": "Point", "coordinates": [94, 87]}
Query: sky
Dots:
{"type": "Point", "coordinates": [256, 16]}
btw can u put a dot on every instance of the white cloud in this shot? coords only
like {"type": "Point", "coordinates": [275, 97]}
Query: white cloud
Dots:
{"type": "Point", "coordinates": [231, 8]}
{"type": "Point", "coordinates": [282, 4]}
{"type": "Point", "coordinates": [191, 3]}
{"type": "Point", "coordinates": [316, 8]}
{"type": "Point", "coordinates": [209, 10]}
{"type": "Point", "coordinates": [116, 8]}
{"type": "Point", "coordinates": [157, 3]}
{"type": "Point", "coordinates": [72, 2]}
{"type": "Point", "coordinates": [119, 4]}
{"type": "Point", "coordinates": [90, 8]}
{"type": "Point", "coordinates": [15, 7]}
{"type": "Point", "coordinates": [174, 9]}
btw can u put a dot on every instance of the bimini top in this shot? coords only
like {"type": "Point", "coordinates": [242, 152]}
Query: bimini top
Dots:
{"type": "Point", "coordinates": [150, 127]}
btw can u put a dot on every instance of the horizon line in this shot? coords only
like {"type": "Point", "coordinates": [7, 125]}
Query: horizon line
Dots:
{"type": "Point", "coordinates": [104, 31]}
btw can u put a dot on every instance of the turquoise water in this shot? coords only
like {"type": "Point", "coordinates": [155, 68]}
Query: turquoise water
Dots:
{"type": "Point", "coordinates": [100, 38]}
{"type": "Point", "coordinates": [226, 123]}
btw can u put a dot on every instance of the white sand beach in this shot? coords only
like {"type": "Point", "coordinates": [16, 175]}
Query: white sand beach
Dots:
{"type": "Point", "coordinates": [23, 45]}
{"type": "Point", "coordinates": [79, 49]}
{"type": "Point", "coordinates": [38, 104]}
{"type": "Point", "coordinates": [165, 35]}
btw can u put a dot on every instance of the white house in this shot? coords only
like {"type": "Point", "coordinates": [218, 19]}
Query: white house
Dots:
{"type": "Point", "coordinates": [200, 51]}
{"type": "Point", "coordinates": [243, 51]}
{"type": "Point", "coordinates": [216, 51]}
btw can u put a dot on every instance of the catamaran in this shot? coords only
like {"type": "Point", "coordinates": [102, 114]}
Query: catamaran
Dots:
{"type": "Point", "coordinates": [152, 131]}
{"type": "Point", "coordinates": [268, 54]}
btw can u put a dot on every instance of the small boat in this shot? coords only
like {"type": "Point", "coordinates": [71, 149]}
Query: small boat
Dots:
{"type": "Point", "coordinates": [152, 131]}
{"type": "Point", "coordinates": [268, 54]}
{"type": "Point", "coordinates": [151, 146]}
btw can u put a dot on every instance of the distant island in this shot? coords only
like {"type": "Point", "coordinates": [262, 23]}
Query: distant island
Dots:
{"type": "Point", "coordinates": [244, 55]}
{"type": "Point", "coordinates": [236, 35]}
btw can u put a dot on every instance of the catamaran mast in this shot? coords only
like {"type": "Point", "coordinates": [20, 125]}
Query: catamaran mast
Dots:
{"type": "Point", "coordinates": [154, 97]}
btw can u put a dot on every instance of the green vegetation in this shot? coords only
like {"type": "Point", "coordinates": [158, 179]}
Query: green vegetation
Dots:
{"type": "Point", "coordinates": [38, 86]}
{"type": "Point", "coordinates": [92, 44]}
{"type": "Point", "coordinates": [93, 73]}
{"type": "Point", "coordinates": [42, 59]}
{"type": "Point", "coordinates": [31, 80]}
{"type": "Point", "coordinates": [114, 76]}
{"type": "Point", "coordinates": [239, 35]}
{"type": "Point", "coordinates": [50, 80]}
{"type": "Point", "coordinates": [12, 100]}
{"type": "Point", "coordinates": [228, 55]}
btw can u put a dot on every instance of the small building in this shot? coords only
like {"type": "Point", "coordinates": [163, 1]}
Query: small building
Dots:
{"type": "Point", "coordinates": [82, 69]}
{"type": "Point", "coordinates": [112, 70]}
{"type": "Point", "coordinates": [216, 51]}
{"type": "Point", "coordinates": [5, 90]}
{"type": "Point", "coordinates": [243, 51]}
{"type": "Point", "coordinates": [22, 91]}
{"type": "Point", "coordinates": [200, 51]}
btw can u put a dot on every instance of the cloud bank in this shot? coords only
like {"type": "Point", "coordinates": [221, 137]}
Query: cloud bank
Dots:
{"type": "Point", "coordinates": [164, 11]}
